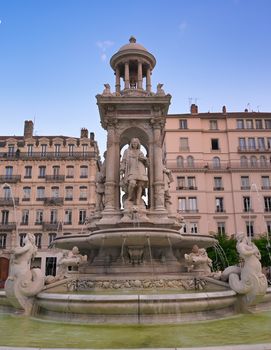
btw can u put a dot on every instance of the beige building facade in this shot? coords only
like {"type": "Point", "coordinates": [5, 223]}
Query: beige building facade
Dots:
{"type": "Point", "coordinates": [221, 165]}
{"type": "Point", "coordinates": [47, 187]}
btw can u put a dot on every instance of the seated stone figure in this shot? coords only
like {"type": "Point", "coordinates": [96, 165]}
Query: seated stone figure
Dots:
{"type": "Point", "coordinates": [198, 261]}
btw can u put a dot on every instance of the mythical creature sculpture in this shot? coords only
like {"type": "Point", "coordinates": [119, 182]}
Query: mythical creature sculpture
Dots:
{"type": "Point", "coordinates": [248, 279]}
{"type": "Point", "coordinates": [198, 261]}
{"type": "Point", "coordinates": [24, 283]}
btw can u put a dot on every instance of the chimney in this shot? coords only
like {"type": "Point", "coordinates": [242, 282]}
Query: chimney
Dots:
{"type": "Point", "coordinates": [224, 110]}
{"type": "Point", "coordinates": [84, 133]}
{"type": "Point", "coordinates": [194, 109]}
{"type": "Point", "coordinates": [92, 136]}
{"type": "Point", "coordinates": [28, 129]}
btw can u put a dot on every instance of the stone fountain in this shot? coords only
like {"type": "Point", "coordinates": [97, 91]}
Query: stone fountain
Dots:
{"type": "Point", "coordinates": [134, 261]}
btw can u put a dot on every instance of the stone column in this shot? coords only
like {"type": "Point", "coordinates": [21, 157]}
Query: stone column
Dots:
{"type": "Point", "coordinates": [126, 76]}
{"type": "Point", "coordinates": [117, 80]}
{"type": "Point", "coordinates": [139, 75]}
{"type": "Point", "coordinates": [159, 195]}
{"type": "Point", "coordinates": [148, 80]}
{"type": "Point", "coordinates": [110, 183]}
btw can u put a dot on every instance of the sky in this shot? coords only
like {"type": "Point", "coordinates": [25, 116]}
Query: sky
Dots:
{"type": "Point", "coordinates": [55, 57]}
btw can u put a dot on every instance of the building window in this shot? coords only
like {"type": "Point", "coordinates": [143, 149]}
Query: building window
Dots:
{"type": "Point", "coordinates": [53, 216]}
{"type": "Point", "coordinates": [263, 161]}
{"type": "Point", "coordinates": [52, 237]}
{"type": "Point", "coordinates": [218, 185]}
{"type": "Point", "coordinates": [259, 123]}
{"type": "Point", "coordinates": [40, 193]}
{"type": "Point", "coordinates": [38, 237]}
{"type": "Point", "coordinates": [261, 143]}
{"type": "Point", "coordinates": [253, 161]}
{"type": "Point", "coordinates": [215, 144]}
{"type": "Point", "coordinates": [29, 150]}
{"type": "Point", "coordinates": [180, 162]}
{"type": "Point", "coordinates": [69, 193]}
{"type": "Point", "coordinates": [183, 123]}
{"type": "Point", "coordinates": [82, 216]}
{"type": "Point", "coordinates": [83, 171]}
{"type": "Point", "coordinates": [26, 193]}
{"type": "Point", "coordinates": [193, 227]}
{"type": "Point", "coordinates": [182, 204]}
{"type": "Point", "coordinates": [68, 217]}
{"type": "Point", "coordinates": [213, 125]}
{"type": "Point", "coordinates": [221, 228]}
{"type": "Point", "coordinates": [84, 149]}
{"type": "Point", "coordinates": [268, 143]}
{"type": "Point", "coordinates": [249, 124]}
{"type": "Point", "coordinates": [11, 150]}
{"type": "Point", "coordinates": [56, 170]}
{"type": "Point", "coordinates": [268, 123]}
{"type": "Point", "coordinates": [25, 217]}
{"type": "Point", "coordinates": [3, 240]}
{"type": "Point", "coordinates": [250, 228]}
{"type": "Point", "coordinates": [28, 172]}
{"type": "Point", "coordinates": [251, 143]}
{"type": "Point", "coordinates": [267, 204]}
{"type": "Point", "coordinates": [42, 171]}
{"type": "Point", "coordinates": [7, 193]}
{"type": "Point", "coordinates": [71, 149]}
{"type": "Point", "coordinates": [219, 204]}
{"type": "Point", "coordinates": [50, 266]}
{"type": "Point", "coordinates": [9, 171]}
{"type": "Point", "coordinates": [191, 183]}
{"type": "Point", "coordinates": [5, 215]}
{"type": "Point", "coordinates": [247, 204]}
{"type": "Point", "coordinates": [268, 227]}
{"type": "Point", "coordinates": [216, 162]}
{"type": "Point", "coordinates": [242, 143]}
{"type": "Point", "coordinates": [57, 150]}
{"type": "Point", "coordinates": [190, 161]}
{"type": "Point", "coordinates": [245, 185]}
{"type": "Point", "coordinates": [240, 124]}
{"type": "Point", "coordinates": [180, 182]}
{"type": "Point", "coordinates": [192, 203]}
{"type": "Point", "coordinates": [21, 239]}
{"type": "Point", "coordinates": [43, 150]}
{"type": "Point", "coordinates": [244, 162]}
{"type": "Point", "coordinates": [39, 217]}
{"type": "Point", "coordinates": [265, 183]}
{"type": "Point", "coordinates": [184, 144]}
{"type": "Point", "coordinates": [55, 192]}
{"type": "Point", "coordinates": [83, 193]}
{"type": "Point", "coordinates": [70, 171]}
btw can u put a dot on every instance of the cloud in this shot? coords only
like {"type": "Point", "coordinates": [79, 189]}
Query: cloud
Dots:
{"type": "Point", "coordinates": [103, 46]}
{"type": "Point", "coordinates": [183, 26]}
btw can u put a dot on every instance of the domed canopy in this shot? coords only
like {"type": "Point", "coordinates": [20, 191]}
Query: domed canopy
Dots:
{"type": "Point", "coordinates": [133, 50]}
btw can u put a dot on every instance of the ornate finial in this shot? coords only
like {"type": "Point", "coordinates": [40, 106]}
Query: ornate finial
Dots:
{"type": "Point", "coordinates": [132, 40]}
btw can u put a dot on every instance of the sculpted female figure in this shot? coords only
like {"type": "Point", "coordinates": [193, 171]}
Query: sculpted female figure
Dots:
{"type": "Point", "coordinates": [133, 171]}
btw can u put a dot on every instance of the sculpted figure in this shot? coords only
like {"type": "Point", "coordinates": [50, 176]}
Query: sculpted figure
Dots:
{"type": "Point", "coordinates": [23, 282]}
{"type": "Point", "coordinates": [198, 261]}
{"type": "Point", "coordinates": [248, 279]}
{"type": "Point", "coordinates": [160, 91]}
{"type": "Point", "coordinates": [168, 179]}
{"type": "Point", "coordinates": [133, 171]}
{"type": "Point", "coordinates": [107, 91]}
{"type": "Point", "coordinates": [100, 186]}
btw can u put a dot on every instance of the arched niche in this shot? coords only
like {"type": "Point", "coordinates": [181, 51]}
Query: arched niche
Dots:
{"type": "Point", "coordinates": [132, 132]}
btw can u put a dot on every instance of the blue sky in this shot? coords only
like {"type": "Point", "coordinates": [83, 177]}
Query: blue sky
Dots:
{"type": "Point", "coordinates": [55, 57]}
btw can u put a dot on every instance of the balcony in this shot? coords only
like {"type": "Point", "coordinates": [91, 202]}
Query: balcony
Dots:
{"type": "Point", "coordinates": [52, 226]}
{"type": "Point", "coordinates": [188, 211]}
{"type": "Point", "coordinates": [186, 188]}
{"type": "Point", "coordinates": [218, 188]}
{"type": "Point", "coordinates": [245, 188]}
{"type": "Point", "coordinates": [253, 149]}
{"type": "Point", "coordinates": [8, 202]}
{"type": "Point", "coordinates": [47, 155]}
{"type": "Point", "coordinates": [266, 187]}
{"type": "Point", "coordinates": [10, 178]}
{"type": "Point", "coordinates": [55, 178]}
{"type": "Point", "coordinates": [53, 201]}
{"type": "Point", "coordinates": [10, 226]}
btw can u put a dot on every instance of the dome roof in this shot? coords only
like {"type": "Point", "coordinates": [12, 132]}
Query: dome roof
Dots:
{"type": "Point", "coordinates": [133, 45]}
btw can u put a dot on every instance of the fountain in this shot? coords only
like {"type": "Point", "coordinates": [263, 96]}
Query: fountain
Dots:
{"type": "Point", "coordinates": [134, 265]}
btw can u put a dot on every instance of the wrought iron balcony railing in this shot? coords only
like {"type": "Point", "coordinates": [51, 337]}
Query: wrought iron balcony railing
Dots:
{"type": "Point", "coordinates": [47, 155]}
{"type": "Point", "coordinates": [8, 202]}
